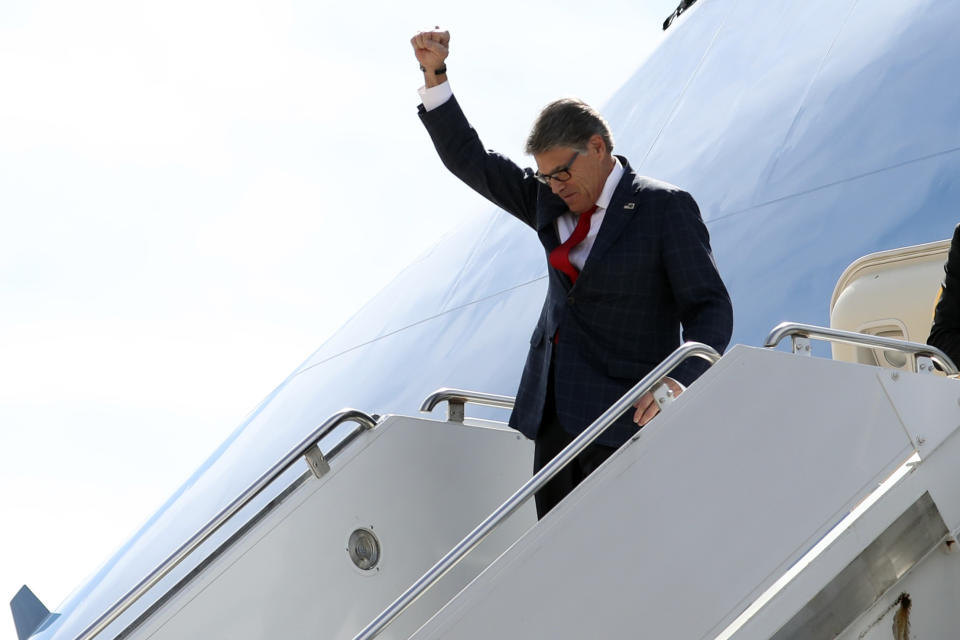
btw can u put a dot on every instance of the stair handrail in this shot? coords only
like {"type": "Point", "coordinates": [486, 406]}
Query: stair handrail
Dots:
{"type": "Point", "coordinates": [797, 330]}
{"type": "Point", "coordinates": [457, 398]}
{"type": "Point", "coordinates": [303, 448]}
{"type": "Point", "coordinates": [524, 493]}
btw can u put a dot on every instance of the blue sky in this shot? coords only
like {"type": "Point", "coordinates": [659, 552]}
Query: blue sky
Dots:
{"type": "Point", "coordinates": [194, 195]}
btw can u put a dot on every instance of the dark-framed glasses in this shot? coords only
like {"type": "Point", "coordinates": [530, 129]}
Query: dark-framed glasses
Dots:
{"type": "Point", "coordinates": [560, 175]}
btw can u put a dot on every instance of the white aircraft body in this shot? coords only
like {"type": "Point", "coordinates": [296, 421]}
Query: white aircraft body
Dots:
{"type": "Point", "coordinates": [781, 496]}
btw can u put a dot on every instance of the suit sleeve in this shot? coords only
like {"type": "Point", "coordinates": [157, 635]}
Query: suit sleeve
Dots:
{"type": "Point", "coordinates": [705, 310]}
{"type": "Point", "coordinates": [945, 332]}
{"type": "Point", "coordinates": [495, 177]}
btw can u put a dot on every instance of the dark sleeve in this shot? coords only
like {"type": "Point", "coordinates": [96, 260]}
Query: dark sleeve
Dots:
{"type": "Point", "coordinates": [945, 333]}
{"type": "Point", "coordinates": [706, 313]}
{"type": "Point", "coordinates": [490, 174]}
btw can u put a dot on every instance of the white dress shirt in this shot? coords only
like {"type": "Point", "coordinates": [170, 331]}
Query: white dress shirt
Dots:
{"type": "Point", "coordinates": [435, 96]}
{"type": "Point", "coordinates": [568, 221]}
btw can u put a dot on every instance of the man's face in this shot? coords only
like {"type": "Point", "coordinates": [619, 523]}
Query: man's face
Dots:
{"type": "Point", "coordinates": [588, 172]}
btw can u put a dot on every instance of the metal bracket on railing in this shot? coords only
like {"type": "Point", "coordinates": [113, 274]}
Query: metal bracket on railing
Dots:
{"type": "Point", "coordinates": [663, 395]}
{"type": "Point", "coordinates": [524, 493]}
{"type": "Point", "coordinates": [801, 345]}
{"type": "Point", "coordinates": [457, 398]}
{"type": "Point", "coordinates": [800, 334]}
{"type": "Point", "coordinates": [307, 448]}
{"type": "Point", "coordinates": [315, 460]}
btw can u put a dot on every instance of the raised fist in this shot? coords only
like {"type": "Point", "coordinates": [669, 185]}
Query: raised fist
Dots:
{"type": "Point", "coordinates": [431, 48]}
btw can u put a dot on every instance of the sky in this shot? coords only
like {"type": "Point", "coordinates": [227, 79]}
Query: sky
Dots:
{"type": "Point", "coordinates": [195, 195]}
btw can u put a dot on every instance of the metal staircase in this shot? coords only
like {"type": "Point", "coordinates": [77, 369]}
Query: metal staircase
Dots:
{"type": "Point", "coordinates": [780, 497]}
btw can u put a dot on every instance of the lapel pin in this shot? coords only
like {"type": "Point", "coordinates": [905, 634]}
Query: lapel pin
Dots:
{"type": "Point", "coordinates": [630, 205]}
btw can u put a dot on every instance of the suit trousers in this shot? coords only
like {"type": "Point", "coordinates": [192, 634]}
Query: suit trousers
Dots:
{"type": "Point", "coordinates": [551, 439]}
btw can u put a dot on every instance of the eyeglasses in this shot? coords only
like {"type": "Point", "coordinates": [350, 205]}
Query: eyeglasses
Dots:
{"type": "Point", "coordinates": [560, 175]}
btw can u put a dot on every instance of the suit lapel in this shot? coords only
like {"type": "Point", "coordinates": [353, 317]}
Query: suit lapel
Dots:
{"type": "Point", "coordinates": [551, 208]}
{"type": "Point", "coordinates": [622, 208]}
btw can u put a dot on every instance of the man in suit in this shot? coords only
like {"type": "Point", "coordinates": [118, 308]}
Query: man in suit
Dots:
{"type": "Point", "coordinates": [629, 263]}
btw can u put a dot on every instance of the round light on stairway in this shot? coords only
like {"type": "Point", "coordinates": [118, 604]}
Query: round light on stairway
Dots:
{"type": "Point", "coordinates": [364, 549]}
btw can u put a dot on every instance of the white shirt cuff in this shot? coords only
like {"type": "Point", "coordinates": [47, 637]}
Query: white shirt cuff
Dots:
{"type": "Point", "coordinates": [435, 96]}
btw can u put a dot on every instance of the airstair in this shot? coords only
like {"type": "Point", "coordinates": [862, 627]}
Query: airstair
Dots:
{"type": "Point", "coordinates": [781, 496]}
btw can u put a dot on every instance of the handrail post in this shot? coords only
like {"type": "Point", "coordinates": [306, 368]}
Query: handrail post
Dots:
{"type": "Point", "coordinates": [801, 345]}
{"type": "Point", "coordinates": [524, 493]}
{"type": "Point", "coordinates": [456, 410]}
{"type": "Point", "coordinates": [457, 399]}
{"type": "Point", "coordinates": [316, 461]}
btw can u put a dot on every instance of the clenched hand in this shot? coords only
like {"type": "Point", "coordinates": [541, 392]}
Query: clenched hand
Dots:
{"type": "Point", "coordinates": [431, 49]}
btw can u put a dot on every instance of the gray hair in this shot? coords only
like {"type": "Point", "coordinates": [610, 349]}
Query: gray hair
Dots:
{"type": "Point", "coordinates": [567, 122]}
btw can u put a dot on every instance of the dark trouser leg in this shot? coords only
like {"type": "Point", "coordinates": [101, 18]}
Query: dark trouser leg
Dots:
{"type": "Point", "coordinates": [551, 439]}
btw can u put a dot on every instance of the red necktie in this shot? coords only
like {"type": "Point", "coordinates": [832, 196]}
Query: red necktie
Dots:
{"type": "Point", "coordinates": [560, 257]}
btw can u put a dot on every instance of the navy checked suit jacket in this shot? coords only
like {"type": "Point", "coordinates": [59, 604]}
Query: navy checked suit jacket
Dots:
{"type": "Point", "coordinates": [649, 272]}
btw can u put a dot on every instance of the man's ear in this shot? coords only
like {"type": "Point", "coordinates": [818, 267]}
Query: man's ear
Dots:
{"type": "Point", "coordinates": [596, 144]}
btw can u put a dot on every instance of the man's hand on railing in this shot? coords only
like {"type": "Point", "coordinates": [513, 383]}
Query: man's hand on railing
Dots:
{"type": "Point", "coordinates": [647, 406]}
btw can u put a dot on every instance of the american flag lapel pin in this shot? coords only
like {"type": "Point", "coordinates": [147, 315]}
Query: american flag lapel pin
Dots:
{"type": "Point", "coordinates": [630, 205]}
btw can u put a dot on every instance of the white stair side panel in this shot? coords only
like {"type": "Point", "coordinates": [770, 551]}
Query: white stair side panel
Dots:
{"type": "Point", "coordinates": [420, 485]}
{"type": "Point", "coordinates": [929, 409]}
{"type": "Point", "coordinates": [679, 531]}
{"type": "Point", "coordinates": [937, 474]}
